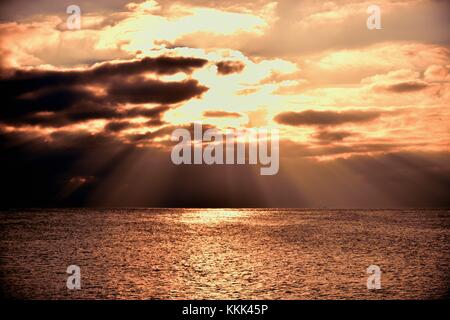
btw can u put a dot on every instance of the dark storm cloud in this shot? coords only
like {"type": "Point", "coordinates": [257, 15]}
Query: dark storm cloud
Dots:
{"type": "Point", "coordinates": [325, 118]}
{"type": "Point", "coordinates": [141, 90]}
{"type": "Point", "coordinates": [28, 80]}
{"type": "Point", "coordinates": [159, 65]}
{"type": "Point", "coordinates": [154, 123]}
{"type": "Point", "coordinates": [85, 111]}
{"type": "Point", "coordinates": [146, 112]}
{"type": "Point", "coordinates": [50, 99]}
{"type": "Point", "coordinates": [65, 110]}
{"type": "Point", "coordinates": [221, 114]}
{"type": "Point", "coordinates": [228, 67]}
{"type": "Point", "coordinates": [58, 98]}
{"type": "Point", "coordinates": [90, 112]}
{"type": "Point", "coordinates": [117, 126]}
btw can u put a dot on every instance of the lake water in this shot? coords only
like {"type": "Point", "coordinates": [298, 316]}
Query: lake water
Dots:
{"type": "Point", "coordinates": [224, 253]}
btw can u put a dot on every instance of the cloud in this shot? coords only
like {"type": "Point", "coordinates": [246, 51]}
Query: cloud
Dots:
{"type": "Point", "coordinates": [404, 87]}
{"type": "Point", "coordinates": [141, 90]}
{"type": "Point", "coordinates": [295, 150]}
{"type": "Point", "coordinates": [325, 136]}
{"type": "Point", "coordinates": [60, 97]}
{"type": "Point", "coordinates": [221, 114]}
{"type": "Point", "coordinates": [145, 112]}
{"type": "Point", "coordinates": [228, 67]}
{"type": "Point", "coordinates": [437, 73]}
{"type": "Point", "coordinates": [61, 107]}
{"type": "Point", "coordinates": [162, 65]}
{"type": "Point", "coordinates": [162, 132]}
{"type": "Point", "coordinates": [116, 126]}
{"type": "Point", "coordinates": [342, 25]}
{"type": "Point", "coordinates": [325, 118]}
{"type": "Point", "coordinates": [20, 9]}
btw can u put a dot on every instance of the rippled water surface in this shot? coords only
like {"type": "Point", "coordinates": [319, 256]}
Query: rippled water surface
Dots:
{"type": "Point", "coordinates": [224, 253]}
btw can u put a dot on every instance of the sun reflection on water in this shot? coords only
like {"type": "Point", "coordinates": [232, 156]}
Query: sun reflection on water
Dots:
{"type": "Point", "coordinates": [213, 216]}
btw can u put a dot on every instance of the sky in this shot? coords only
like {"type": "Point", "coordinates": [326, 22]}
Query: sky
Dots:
{"type": "Point", "coordinates": [87, 114]}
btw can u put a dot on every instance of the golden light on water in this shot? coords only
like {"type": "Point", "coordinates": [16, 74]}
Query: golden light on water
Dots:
{"type": "Point", "coordinates": [213, 216]}
{"type": "Point", "coordinates": [195, 254]}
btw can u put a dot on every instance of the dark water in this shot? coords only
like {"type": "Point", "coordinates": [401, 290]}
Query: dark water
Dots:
{"type": "Point", "coordinates": [225, 253]}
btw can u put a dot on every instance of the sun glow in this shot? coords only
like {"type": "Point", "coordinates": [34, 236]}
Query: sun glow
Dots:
{"type": "Point", "coordinates": [213, 216]}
